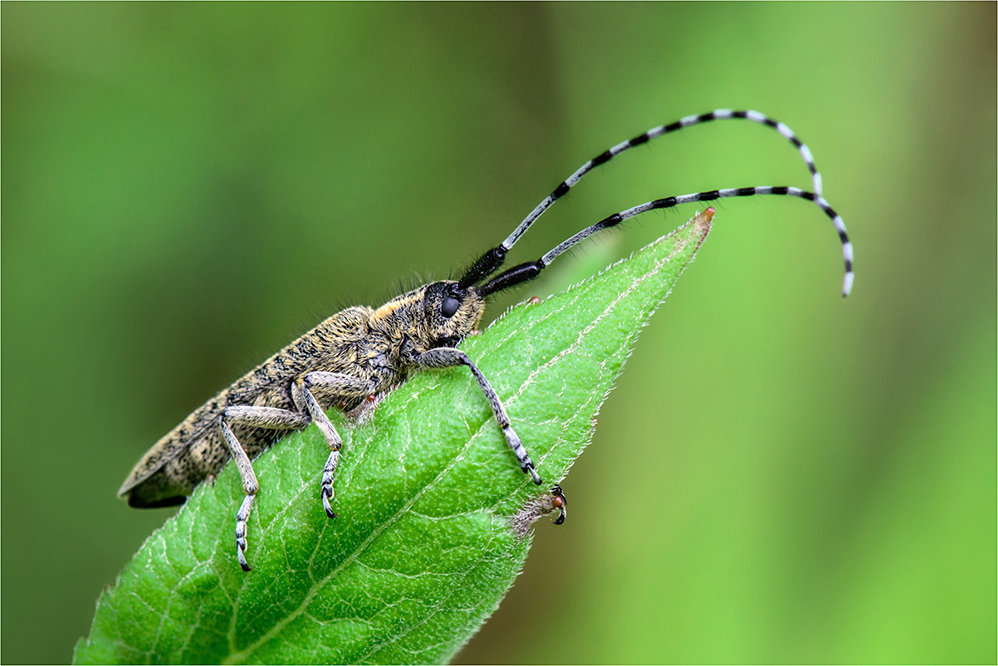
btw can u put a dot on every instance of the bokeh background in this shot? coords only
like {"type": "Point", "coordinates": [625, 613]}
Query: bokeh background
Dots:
{"type": "Point", "coordinates": [780, 476]}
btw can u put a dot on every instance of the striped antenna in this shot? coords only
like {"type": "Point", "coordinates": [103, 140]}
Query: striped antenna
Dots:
{"type": "Point", "coordinates": [490, 262]}
{"type": "Point", "coordinates": [661, 130]}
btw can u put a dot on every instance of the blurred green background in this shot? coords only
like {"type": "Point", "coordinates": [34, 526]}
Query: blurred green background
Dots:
{"type": "Point", "coordinates": [780, 476]}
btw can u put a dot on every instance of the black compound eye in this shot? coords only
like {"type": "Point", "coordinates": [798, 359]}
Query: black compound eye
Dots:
{"type": "Point", "coordinates": [449, 306]}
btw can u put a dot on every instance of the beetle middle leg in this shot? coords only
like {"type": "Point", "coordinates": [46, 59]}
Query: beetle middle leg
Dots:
{"type": "Point", "coordinates": [334, 384]}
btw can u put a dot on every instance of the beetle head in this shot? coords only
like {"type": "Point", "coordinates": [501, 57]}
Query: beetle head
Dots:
{"type": "Point", "coordinates": [451, 312]}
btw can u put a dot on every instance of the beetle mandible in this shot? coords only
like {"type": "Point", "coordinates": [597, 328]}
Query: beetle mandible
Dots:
{"type": "Point", "coordinates": [363, 351]}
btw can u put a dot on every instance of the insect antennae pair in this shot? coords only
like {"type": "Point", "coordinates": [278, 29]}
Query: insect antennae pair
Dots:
{"type": "Point", "coordinates": [490, 262]}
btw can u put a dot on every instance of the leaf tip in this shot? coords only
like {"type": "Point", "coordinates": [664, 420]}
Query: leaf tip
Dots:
{"type": "Point", "coordinates": [702, 222]}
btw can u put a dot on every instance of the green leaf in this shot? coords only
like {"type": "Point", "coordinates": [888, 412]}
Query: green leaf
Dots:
{"type": "Point", "coordinates": [434, 512]}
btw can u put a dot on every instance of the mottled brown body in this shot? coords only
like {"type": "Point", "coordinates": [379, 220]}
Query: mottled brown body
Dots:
{"type": "Point", "coordinates": [378, 347]}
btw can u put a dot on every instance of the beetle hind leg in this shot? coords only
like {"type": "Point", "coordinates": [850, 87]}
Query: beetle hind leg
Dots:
{"type": "Point", "coordinates": [250, 485]}
{"type": "Point", "coordinates": [260, 417]}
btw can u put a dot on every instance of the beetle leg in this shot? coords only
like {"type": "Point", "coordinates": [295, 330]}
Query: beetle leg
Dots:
{"type": "Point", "coordinates": [331, 383]}
{"type": "Point", "coordinates": [271, 418]}
{"type": "Point", "coordinates": [250, 485]}
{"type": "Point", "coordinates": [446, 357]}
{"type": "Point", "coordinates": [242, 517]}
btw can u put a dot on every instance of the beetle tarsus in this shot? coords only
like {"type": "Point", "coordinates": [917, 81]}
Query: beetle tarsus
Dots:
{"type": "Point", "coordinates": [327, 494]}
{"type": "Point", "coordinates": [241, 543]}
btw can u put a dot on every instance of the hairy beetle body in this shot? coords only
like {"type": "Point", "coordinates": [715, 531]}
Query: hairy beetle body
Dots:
{"type": "Point", "coordinates": [369, 344]}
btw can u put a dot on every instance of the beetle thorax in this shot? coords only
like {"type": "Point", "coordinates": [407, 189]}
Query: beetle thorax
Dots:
{"type": "Point", "coordinates": [439, 314]}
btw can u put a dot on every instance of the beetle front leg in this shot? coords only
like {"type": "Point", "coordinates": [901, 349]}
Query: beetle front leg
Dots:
{"type": "Point", "coordinates": [447, 357]}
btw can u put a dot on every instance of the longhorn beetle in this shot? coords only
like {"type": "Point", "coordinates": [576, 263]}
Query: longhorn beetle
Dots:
{"type": "Point", "coordinates": [361, 351]}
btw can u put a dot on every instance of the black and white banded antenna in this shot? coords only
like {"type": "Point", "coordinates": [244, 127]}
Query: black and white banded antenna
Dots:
{"type": "Point", "coordinates": [490, 262]}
